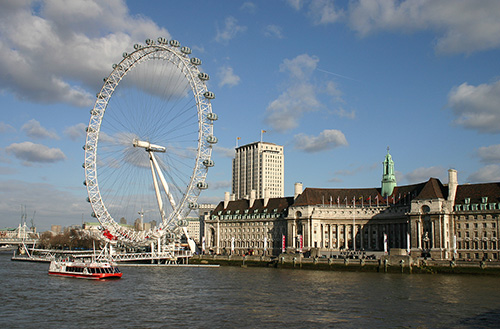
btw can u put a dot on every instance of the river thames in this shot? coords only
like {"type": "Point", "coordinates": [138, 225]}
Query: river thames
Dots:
{"type": "Point", "coordinates": [235, 297]}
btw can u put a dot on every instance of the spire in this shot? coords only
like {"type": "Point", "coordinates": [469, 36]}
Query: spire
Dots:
{"type": "Point", "coordinates": [388, 177]}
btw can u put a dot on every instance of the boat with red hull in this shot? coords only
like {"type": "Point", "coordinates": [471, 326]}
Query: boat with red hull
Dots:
{"type": "Point", "coordinates": [81, 269]}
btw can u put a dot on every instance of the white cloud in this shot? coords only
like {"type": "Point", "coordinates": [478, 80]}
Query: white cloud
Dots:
{"type": "Point", "coordinates": [326, 140]}
{"type": "Point", "coordinates": [273, 31]}
{"type": "Point", "coordinates": [33, 129]}
{"type": "Point", "coordinates": [301, 67]}
{"type": "Point", "coordinates": [487, 174]}
{"type": "Point", "coordinates": [422, 174]}
{"type": "Point", "coordinates": [476, 108]}
{"type": "Point", "coordinates": [335, 180]}
{"type": "Point", "coordinates": [249, 7]}
{"type": "Point", "coordinates": [64, 208]}
{"type": "Point", "coordinates": [285, 112]}
{"type": "Point", "coordinates": [219, 185]}
{"type": "Point", "coordinates": [230, 30]}
{"type": "Point", "coordinates": [6, 128]}
{"type": "Point", "coordinates": [324, 12]}
{"type": "Point", "coordinates": [489, 154]}
{"type": "Point", "coordinates": [227, 77]}
{"type": "Point", "coordinates": [301, 94]}
{"type": "Point", "coordinates": [345, 114]}
{"type": "Point", "coordinates": [224, 151]}
{"type": "Point", "coordinates": [30, 152]}
{"type": "Point", "coordinates": [42, 40]}
{"type": "Point", "coordinates": [76, 132]}
{"type": "Point", "coordinates": [296, 4]}
{"type": "Point", "coordinates": [462, 26]}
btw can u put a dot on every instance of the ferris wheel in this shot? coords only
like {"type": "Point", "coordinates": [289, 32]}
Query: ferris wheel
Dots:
{"type": "Point", "coordinates": [149, 142]}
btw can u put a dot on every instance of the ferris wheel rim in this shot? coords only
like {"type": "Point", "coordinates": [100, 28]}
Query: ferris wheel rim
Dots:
{"type": "Point", "coordinates": [172, 53]}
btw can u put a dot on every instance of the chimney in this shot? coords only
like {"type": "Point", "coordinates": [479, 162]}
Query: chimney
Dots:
{"type": "Point", "coordinates": [233, 197]}
{"type": "Point", "coordinates": [298, 190]}
{"type": "Point", "coordinates": [266, 196]}
{"type": "Point", "coordinates": [452, 185]}
{"type": "Point", "coordinates": [226, 199]}
{"type": "Point", "coordinates": [252, 198]}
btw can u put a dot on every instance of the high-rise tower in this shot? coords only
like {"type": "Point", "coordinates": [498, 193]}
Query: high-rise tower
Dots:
{"type": "Point", "coordinates": [259, 166]}
{"type": "Point", "coordinates": [388, 178]}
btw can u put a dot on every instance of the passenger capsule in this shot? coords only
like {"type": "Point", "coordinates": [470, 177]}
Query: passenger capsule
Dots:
{"type": "Point", "coordinates": [84, 183]}
{"type": "Point", "coordinates": [212, 139]}
{"type": "Point", "coordinates": [186, 50]}
{"type": "Point", "coordinates": [193, 205]}
{"type": "Point", "coordinates": [162, 40]}
{"type": "Point", "coordinates": [137, 46]}
{"type": "Point", "coordinates": [195, 61]}
{"type": "Point", "coordinates": [125, 55]}
{"type": "Point", "coordinates": [202, 185]}
{"type": "Point", "coordinates": [93, 215]}
{"type": "Point", "coordinates": [175, 43]}
{"type": "Point", "coordinates": [95, 112]}
{"type": "Point", "coordinates": [100, 96]}
{"type": "Point", "coordinates": [203, 76]}
{"type": "Point", "coordinates": [89, 129]}
{"type": "Point", "coordinates": [208, 163]}
{"type": "Point", "coordinates": [209, 95]}
{"type": "Point", "coordinates": [88, 199]}
{"type": "Point", "coordinates": [149, 42]}
{"type": "Point", "coordinates": [212, 116]}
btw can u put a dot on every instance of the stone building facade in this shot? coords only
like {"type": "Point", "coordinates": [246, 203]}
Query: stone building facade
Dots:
{"type": "Point", "coordinates": [247, 226]}
{"type": "Point", "coordinates": [429, 219]}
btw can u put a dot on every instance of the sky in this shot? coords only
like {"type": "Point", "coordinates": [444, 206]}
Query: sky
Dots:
{"type": "Point", "coordinates": [335, 82]}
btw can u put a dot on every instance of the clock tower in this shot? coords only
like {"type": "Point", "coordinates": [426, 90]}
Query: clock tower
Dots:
{"type": "Point", "coordinates": [388, 178]}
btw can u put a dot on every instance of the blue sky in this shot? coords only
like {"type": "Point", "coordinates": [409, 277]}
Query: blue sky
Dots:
{"type": "Point", "coordinates": [335, 82]}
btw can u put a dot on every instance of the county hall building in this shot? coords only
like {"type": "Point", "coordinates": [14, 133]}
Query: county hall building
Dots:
{"type": "Point", "coordinates": [428, 219]}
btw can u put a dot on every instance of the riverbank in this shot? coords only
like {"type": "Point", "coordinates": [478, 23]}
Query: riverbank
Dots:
{"type": "Point", "coordinates": [386, 264]}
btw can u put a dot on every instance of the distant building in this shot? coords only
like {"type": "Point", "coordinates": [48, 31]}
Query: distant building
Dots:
{"type": "Point", "coordinates": [204, 211]}
{"type": "Point", "coordinates": [56, 229]}
{"type": "Point", "coordinates": [258, 166]}
{"type": "Point", "coordinates": [194, 229]}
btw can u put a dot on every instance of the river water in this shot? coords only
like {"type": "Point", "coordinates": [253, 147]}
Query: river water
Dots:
{"type": "Point", "coordinates": [234, 297]}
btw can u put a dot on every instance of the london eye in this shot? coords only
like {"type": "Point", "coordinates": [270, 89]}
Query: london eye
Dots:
{"type": "Point", "coordinates": [149, 143]}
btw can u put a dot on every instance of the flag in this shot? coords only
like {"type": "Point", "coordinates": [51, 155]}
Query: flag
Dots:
{"type": "Point", "coordinates": [264, 131]}
{"type": "Point", "coordinates": [238, 138]}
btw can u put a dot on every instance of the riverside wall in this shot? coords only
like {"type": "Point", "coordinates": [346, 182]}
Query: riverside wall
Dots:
{"type": "Point", "coordinates": [385, 264]}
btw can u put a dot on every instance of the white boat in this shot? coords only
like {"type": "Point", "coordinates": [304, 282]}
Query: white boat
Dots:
{"type": "Point", "coordinates": [85, 269]}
